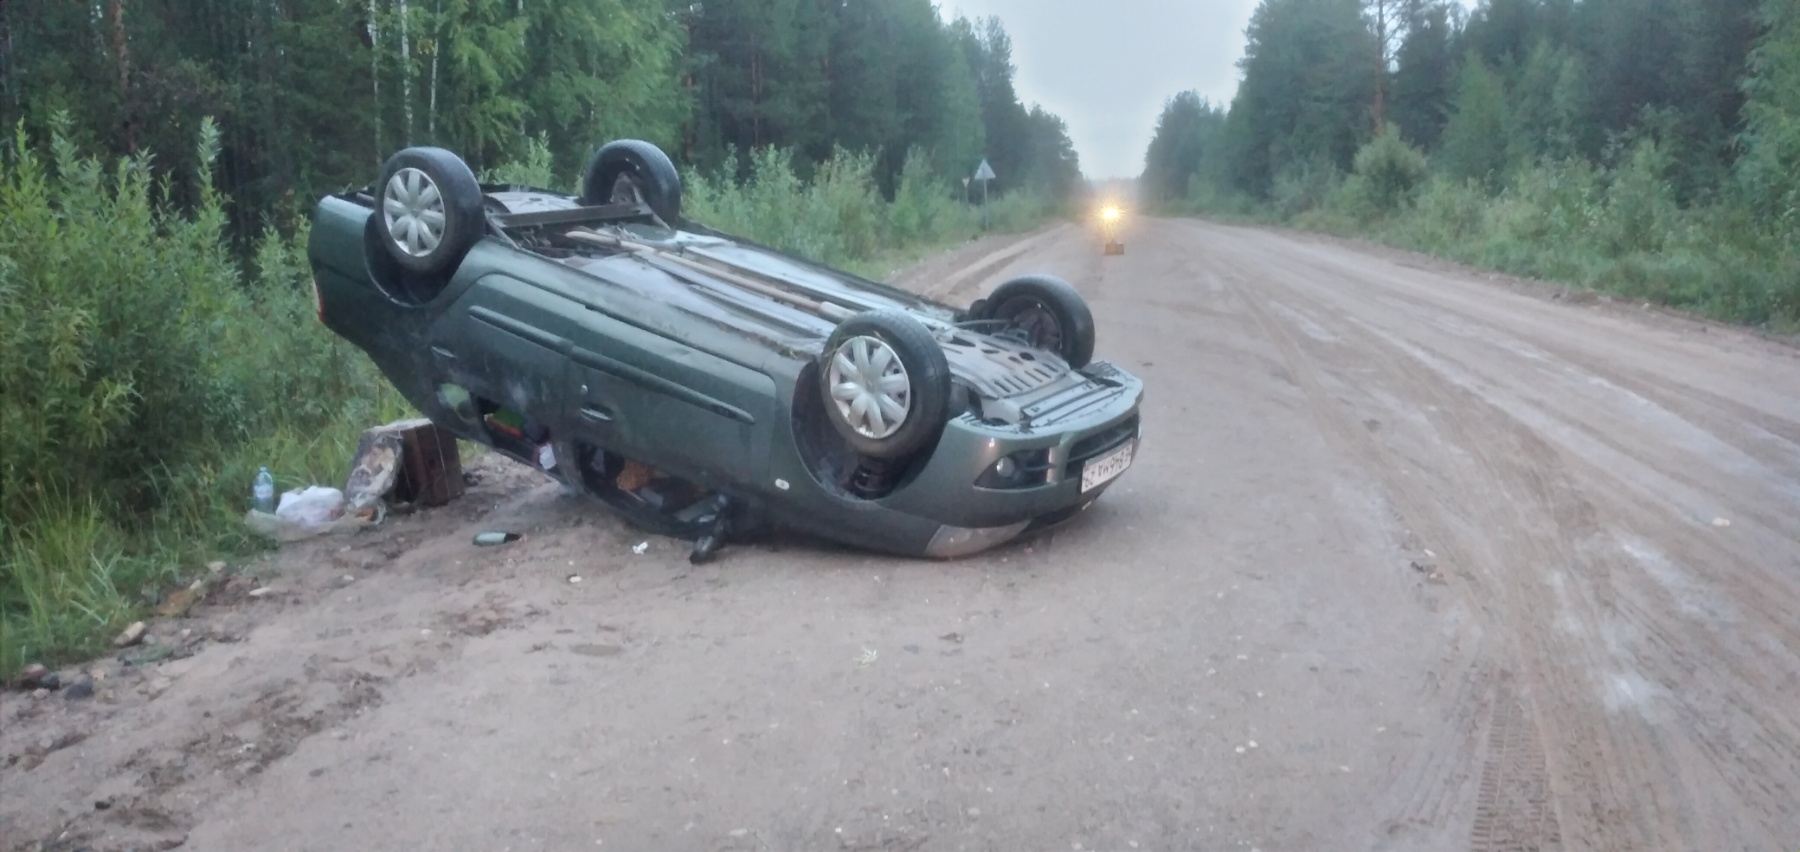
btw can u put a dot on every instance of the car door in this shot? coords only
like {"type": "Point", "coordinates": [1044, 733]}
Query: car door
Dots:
{"type": "Point", "coordinates": [669, 404]}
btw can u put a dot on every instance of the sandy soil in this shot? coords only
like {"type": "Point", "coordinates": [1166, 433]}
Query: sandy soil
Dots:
{"type": "Point", "coordinates": [1412, 559]}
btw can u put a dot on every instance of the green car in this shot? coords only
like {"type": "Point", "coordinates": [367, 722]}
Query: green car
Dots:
{"type": "Point", "coordinates": [709, 388]}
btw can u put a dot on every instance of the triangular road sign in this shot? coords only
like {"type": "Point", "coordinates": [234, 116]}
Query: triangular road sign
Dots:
{"type": "Point", "coordinates": [985, 171]}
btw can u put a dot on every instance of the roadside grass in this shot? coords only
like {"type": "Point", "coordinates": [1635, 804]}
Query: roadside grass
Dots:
{"type": "Point", "coordinates": [839, 217]}
{"type": "Point", "coordinates": [149, 370]}
{"type": "Point", "coordinates": [1617, 229]}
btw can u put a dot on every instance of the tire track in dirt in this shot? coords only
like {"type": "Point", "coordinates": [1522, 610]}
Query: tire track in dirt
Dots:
{"type": "Point", "coordinates": [1630, 623]}
{"type": "Point", "coordinates": [1514, 792]}
{"type": "Point", "coordinates": [1668, 720]}
{"type": "Point", "coordinates": [1422, 791]}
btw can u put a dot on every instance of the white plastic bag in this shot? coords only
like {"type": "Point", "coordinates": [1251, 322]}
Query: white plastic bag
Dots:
{"type": "Point", "coordinates": [304, 514]}
{"type": "Point", "coordinates": [314, 508]}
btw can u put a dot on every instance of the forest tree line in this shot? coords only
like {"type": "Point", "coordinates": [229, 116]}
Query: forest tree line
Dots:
{"type": "Point", "coordinates": [311, 95]}
{"type": "Point", "coordinates": [1651, 146]}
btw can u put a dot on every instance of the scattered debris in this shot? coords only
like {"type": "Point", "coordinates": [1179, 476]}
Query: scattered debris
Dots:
{"type": "Point", "coordinates": [491, 539]}
{"type": "Point", "coordinates": [359, 560]}
{"type": "Point", "coordinates": [32, 676]}
{"type": "Point", "coordinates": [147, 654]}
{"type": "Point", "coordinates": [180, 601]}
{"type": "Point", "coordinates": [408, 463]}
{"type": "Point", "coordinates": [598, 650]}
{"type": "Point", "coordinates": [640, 547]}
{"type": "Point", "coordinates": [264, 591]}
{"type": "Point", "coordinates": [1421, 567]}
{"type": "Point", "coordinates": [1721, 523]}
{"type": "Point", "coordinates": [575, 579]}
{"type": "Point", "coordinates": [83, 687]}
{"type": "Point", "coordinates": [952, 637]}
{"type": "Point", "coordinates": [867, 657]}
{"type": "Point", "coordinates": [132, 635]}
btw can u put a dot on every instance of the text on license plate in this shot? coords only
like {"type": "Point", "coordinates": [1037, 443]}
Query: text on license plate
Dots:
{"type": "Point", "coordinates": [1099, 471]}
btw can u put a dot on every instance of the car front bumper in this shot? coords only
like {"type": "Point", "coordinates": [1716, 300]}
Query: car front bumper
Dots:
{"type": "Point", "coordinates": [941, 511]}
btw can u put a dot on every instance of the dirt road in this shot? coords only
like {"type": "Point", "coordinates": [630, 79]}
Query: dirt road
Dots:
{"type": "Point", "coordinates": [1411, 559]}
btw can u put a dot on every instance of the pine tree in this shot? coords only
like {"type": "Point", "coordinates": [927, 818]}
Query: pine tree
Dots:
{"type": "Point", "coordinates": [1425, 74]}
{"type": "Point", "coordinates": [1768, 174]}
{"type": "Point", "coordinates": [1185, 135]}
{"type": "Point", "coordinates": [1304, 100]}
{"type": "Point", "coordinates": [1477, 140]}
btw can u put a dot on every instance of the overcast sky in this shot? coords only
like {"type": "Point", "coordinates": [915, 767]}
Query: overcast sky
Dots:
{"type": "Point", "coordinates": [1106, 66]}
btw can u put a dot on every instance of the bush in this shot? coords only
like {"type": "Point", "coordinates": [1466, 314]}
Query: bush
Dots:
{"type": "Point", "coordinates": [145, 379]}
{"type": "Point", "coordinates": [1387, 172]}
{"type": "Point", "coordinates": [1302, 187]}
{"type": "Point", "coordinates": [537, 169]}
{"type": "Point", "coordinates": [111, 307]}
{"type": "Point", "coordinates": [839, 216]}
{"type": "Point", "coordinates": [1446, 215]}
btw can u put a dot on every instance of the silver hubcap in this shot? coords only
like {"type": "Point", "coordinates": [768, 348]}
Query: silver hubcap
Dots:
{"type": "Point", "coordinates": [870, 386]}
{"type": "Point", "coordinates": [414, 210]}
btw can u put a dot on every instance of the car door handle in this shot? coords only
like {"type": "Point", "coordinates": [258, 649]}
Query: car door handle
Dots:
{"type": "Point", "coordinates": [595, 415]}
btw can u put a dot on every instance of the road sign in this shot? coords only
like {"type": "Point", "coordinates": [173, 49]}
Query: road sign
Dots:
{"type": "Point", "coordinates": [983, 173]}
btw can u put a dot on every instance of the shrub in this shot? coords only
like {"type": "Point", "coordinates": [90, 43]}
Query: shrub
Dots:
{"type": "Point", "coordinates": [1302, 187]}
{"type": "Point", "coordinates": [112, 306]}
{"type": "Point", "coordinates": [538, 168]}
{"type": "Point", "coordinates": [1388, 171]}
{"type": "Point", "coordinates": [145, 379]}
{"type": "Point", "coordinates": [839, 217]}
{"type": "Point", "coordinates": [1640, 212]}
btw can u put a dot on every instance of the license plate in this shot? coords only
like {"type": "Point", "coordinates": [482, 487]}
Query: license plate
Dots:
{"type": "Point", "coordinates": [1099, 471]}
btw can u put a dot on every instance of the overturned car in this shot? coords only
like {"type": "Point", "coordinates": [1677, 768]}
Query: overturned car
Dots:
{"type": "Point", "coordinates": [706, 387]}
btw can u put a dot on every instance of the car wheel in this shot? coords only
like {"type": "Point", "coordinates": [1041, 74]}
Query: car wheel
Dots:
{"type": "Point", "coordinates": [1048, 311]}
{"type": "Point", "coordinates": [428, 210]}
{"type": "Point", "coordinates": [630, 171]}
{"type": "Point", "coordinates": [885, 383]}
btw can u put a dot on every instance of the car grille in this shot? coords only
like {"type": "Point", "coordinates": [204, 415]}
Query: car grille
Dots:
{"type": "Point", "coordinates": [1100, 443]}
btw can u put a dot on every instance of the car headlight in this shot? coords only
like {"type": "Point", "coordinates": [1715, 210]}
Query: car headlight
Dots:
{"type": "Point", "coordinates": [1110, 214]}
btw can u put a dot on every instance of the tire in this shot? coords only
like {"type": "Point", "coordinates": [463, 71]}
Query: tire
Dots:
{"type": "Point", "coordinates": [1049, 310]}
{"type": "Point", "coordinates": [862, 407]}
{"type": "Point", "coordinates": [650, 176]}
{"type": "Point", "coordinates": [428, 210]}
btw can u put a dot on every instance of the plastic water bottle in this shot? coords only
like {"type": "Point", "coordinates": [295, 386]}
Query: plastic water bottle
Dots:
{"type": "Point", "coordinates": [263, 494]}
